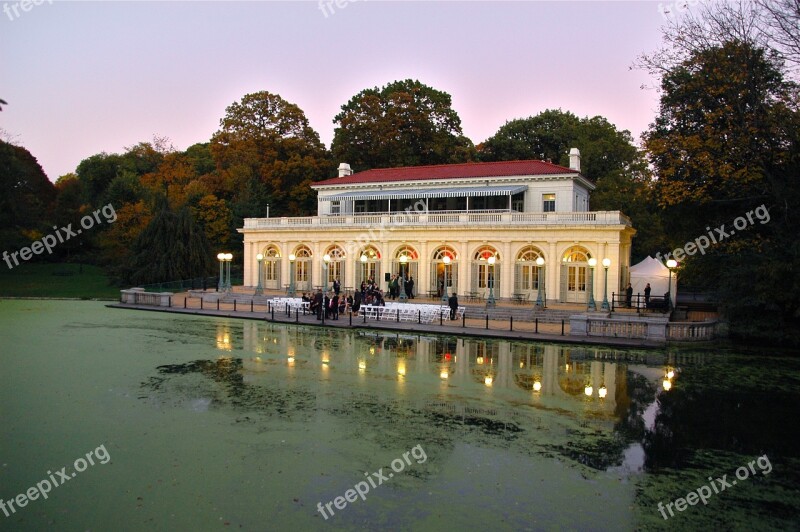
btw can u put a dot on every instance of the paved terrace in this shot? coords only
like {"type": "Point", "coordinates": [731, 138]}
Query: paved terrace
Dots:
{"type": "Point", "coordinates": [552, 324]}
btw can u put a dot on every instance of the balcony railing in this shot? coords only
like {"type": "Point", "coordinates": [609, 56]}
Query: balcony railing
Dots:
{"type": "Point", "coordinates": [443, 219]}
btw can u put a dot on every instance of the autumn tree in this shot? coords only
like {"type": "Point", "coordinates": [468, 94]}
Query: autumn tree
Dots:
{"type": "Point", "coordinates": [267, 140]}
{"type": "Point", "coordinates": [724, 144]}
{"type": "Point", "coordinates": [404, 123]}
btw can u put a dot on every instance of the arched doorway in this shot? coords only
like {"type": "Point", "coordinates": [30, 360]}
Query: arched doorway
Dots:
{"type": "Point", "coordinates": [406, 263]}
{"type": "Point", "coordinates": [485, 271]}
{"type": "Point", "coordinates": [335, 268]}
{"type": "Point", "coordinates": [575, 275]}
{"type": "Point", "coordinates": [302, 268]}
{"type": "Point", "coordinates": [527, 274]}
{"type": "Point", "coordinates": [444, 265]}
{"type": "Point", "coordinates": [271, 268]}
{"type": "Point", "coordinates": [368, 266]}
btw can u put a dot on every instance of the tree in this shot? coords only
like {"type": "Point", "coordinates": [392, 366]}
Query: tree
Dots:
{"type": "Point", "coordinates": [404, 123]}
{"type": "Point", "coordinates": [96, 173]}
{"type": "Point", "coordinates": [266, 138]}
{"type": "Point", "coordinates": [27, 198]}
{"type": "Point", "coordinates": [726, 143]}
{"type": "Point", "coordinates": [771, 25]}
{"type": "Point", "coordinates": [172, 247]}
{"type": "Point", "coordinates": [608, 157]}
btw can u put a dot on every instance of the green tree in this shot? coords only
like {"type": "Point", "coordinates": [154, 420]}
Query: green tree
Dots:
{"type": "Point", "coordinates": [27, 198]}
{"type": "Point", "coordinates": [608, 157]}
{"type": "Point", "coordinates": [171, 247]}
{"type": "Point", "coordinates": [404, 123]}
{"type": "Point", "coordinates": [96, 173]}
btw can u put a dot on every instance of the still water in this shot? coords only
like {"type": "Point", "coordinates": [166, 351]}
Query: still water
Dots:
{"type": "Point", "coordinates": [167, 422]}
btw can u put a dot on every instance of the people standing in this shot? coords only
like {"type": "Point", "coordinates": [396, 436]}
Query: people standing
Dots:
{"type": "Point", "coordinates": [336, 286]}
{"type": "Point", "coordinates": [453, 303]}
{"type": "Point", "coordinates": [317, 304]}
{"type": "Point", "coordinates": [334, 310]}
{"type": "Point", "coordinates": [647, 294]}
{"type": "Point", "coordinates": [410, 287]}
{"type": "Point", "coordinates": [628, 295]}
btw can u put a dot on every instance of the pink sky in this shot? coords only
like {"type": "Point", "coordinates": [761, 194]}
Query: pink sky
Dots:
{"type": "Point", "coordinates": [85, 77]}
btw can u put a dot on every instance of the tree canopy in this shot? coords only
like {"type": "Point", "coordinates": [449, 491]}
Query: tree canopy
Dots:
{"type": "Point", "coordinates": [404, 123]}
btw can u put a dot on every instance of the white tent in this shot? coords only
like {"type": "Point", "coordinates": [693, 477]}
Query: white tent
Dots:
{"type": "Point", "coordinates": [651, 271]}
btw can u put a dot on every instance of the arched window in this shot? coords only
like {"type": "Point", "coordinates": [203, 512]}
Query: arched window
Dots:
{"type": "Point", "coordinates": [271, 267]}
{"type": "Point", "coordinates": [485, 271]}
{"type": "Point", "coordinates": [575, 275]}
{"type": "Point", "coordinates": [444, 270]}
{"type": "Point", "coordinates": [368, 265]}
{"type": "Point", "coordinates": [302, 264]}
{"type": "Point", "coordinates": [336, 263]}
{"type": "Point", "coordinates": [527, 273]}
{"type": "Point", "coordinates": [406, 263]}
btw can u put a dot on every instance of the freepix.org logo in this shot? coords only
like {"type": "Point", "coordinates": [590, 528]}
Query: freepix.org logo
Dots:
{"type": "Point", "coordinates": [61, 235]}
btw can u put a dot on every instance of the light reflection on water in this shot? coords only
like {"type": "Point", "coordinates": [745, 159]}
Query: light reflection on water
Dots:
{"type": "Point", "coordinates": [585, 404]}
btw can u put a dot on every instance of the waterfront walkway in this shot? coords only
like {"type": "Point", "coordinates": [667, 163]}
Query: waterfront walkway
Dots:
{"type": "Point", "coordinates": [547, 330]}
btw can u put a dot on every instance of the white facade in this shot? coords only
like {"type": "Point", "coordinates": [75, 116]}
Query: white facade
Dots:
{"type": "Point", "coordinates": [479, 226]}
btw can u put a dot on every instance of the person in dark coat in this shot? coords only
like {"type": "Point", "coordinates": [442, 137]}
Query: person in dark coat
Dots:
{"type": "Point", "coordinates": [334, 308]}
{"type": "Point", "coordinates": [316, 305]}
{"type": "Point", "coordinates": [453, 303]}
{"type": "Point", "coordinates": [326, 306]}
{"type": "Point", "coordinates": [647, 290]}
{"type": "Point", "coordinates": [410, 287]}
{"type": "Point", "coordinates": [628, 295]}
{"type": "Point", "coordinates": [356, 302]}
{"type": "Point", "coordinates": [336, 287]}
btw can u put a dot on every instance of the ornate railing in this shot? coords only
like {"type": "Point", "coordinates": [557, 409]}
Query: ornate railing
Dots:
{"type": "Point", "coordinates": [443, 219]}
{"type": "Point", "coordinates": [697, 331]}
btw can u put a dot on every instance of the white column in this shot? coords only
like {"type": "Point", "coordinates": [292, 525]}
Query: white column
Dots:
{"type": "Point", "coordinates": [464, 262]}
{"type": "Point", "coordinates": [316, 266]}
{"type": "Point", "coordinates": [506, 272]}
{"type": "Point", "coordinates": [423, 270]}
{"type": "Point", "coordinates": [553, 274]}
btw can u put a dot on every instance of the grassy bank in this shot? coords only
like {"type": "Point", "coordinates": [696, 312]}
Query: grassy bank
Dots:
{"type": "Point", "coordinates": [56, 280]}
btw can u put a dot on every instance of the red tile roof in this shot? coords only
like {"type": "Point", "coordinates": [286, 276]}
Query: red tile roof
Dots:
{"type": "Point", "coordinates": [449, 171]}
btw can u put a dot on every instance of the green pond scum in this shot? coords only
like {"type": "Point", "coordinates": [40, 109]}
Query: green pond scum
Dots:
{"type": "Point", "coordinates": [215, 424]}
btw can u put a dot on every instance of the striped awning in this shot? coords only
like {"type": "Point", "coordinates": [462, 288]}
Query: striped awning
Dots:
{"type": "Point", "coordinates": [453, 192]}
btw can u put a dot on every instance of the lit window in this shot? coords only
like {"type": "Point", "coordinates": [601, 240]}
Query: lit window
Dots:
{"type": "Point", "coordinates": [549, 202]}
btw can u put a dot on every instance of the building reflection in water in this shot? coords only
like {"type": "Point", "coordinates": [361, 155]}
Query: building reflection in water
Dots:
{"type": "Point", "coordinates": [591, 376]}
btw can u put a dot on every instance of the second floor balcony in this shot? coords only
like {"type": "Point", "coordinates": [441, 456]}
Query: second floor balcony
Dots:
{"type": "Point", "coordinates": [443, 218]}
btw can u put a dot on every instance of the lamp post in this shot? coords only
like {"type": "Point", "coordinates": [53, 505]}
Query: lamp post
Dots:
{"type": "Point", "coordinates": [402, 281]}
{"type": "Point", "coordinates": [326, 260]}
{"type": "Point", "coordinates": [292, 272]}
{"type": "Point", "coordinates": [490, 302]}
{"type": "Point", "coordinates": [446, 261]}
{"type": "Point", "coordinates": [671, 265]}
{"type": "Point", "coordinates": [592, 306]}
{"type": "Point", "coordinates": [221, 259]}
{"type": "Point", "coordinates": [259, 289]}
{"type": "Point", "coordinates": [228, 259]}
{"type": "Point", "coordinates": [605, 306]}
{"type": "Point", "coordinates": [540, 264]}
